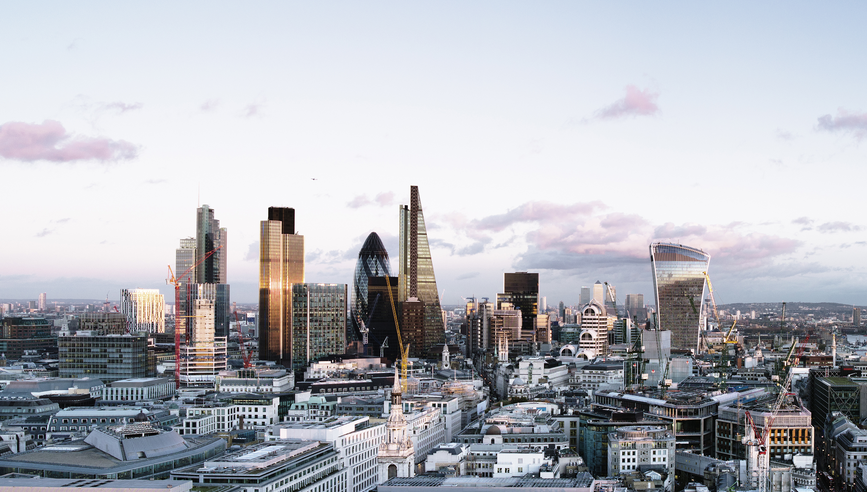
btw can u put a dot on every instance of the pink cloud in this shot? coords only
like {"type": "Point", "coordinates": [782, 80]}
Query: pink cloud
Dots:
{"type": "Point", "coordinates": [384, 199]}
{"type": "Point", "coordinates": [49, 141]}
{"type": "Point", "coordinates": [636, 102]}
{"type": "Point", "coordinates": [845, 121]}
{"type": "Point", "coordinates": [121, 107]}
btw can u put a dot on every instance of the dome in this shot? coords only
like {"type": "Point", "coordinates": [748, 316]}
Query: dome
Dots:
{"type": "Point", "coordinates": [141, 417]}
{"type": "Point", "coordinates": [493, 430]}
{"type": "Point", "coordinates": [518, 381]}
{"type": "Point", "coordinates": [373, 247]}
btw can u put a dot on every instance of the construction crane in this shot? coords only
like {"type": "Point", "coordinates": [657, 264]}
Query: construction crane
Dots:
{"type": "Point", "coordinates": [404, 351]}
{"type": "Point", "coordinates": [245, 354]}
{"type": "Point", "coordinates": [722, 364]}
{"type": "Point", "coordinates": [176, 281]}
{"type": "Point", "coordinates": [613, 297]}
{"type": "Point", "coordinates": [712, 300]}
{"type": "Point", "coordinates": [758, 455]}
{"type": "Point", "coordinates": [365, 327]}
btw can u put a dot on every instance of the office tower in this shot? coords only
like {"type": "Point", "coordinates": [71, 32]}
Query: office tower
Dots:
{"type": "Point", "coordinates": [585, 296]}
{"type": "Point", "coordinates": [678, 288]}
{"type": "Point", "coordinates": [635, 307]}
{"type": "Point", "coordinates": [599, 292]}
{"type": "Point", "coordinates": [543, 304]}
{"type": "Point", "coordinates": [104, 357]}
{"type": "Point", "coordinates": [382, 330]}
{"type": "Point", "coordinates": [521, 290]}
{"type": "Point", "coordinates": [593, 340]}
{"type": "Point", "coordinates": [416, 274]}
{"type": "Point", "coordinates": [561, 312]}
{"type": "Point", "coordinates": [185, 259]}
{"type": "Point", "coordinates": [318, 322]}
{"type": "Point", "coordinates": [281, 264]}
{"type": "Point", "coordinates": [204, 354]}
{"type": "Point", "coordinates": [478, 318]}
{"type": "Point", "coordinates": [43, 301]}
{"type": "Point", "coordinates": [209, 237]}
{"type": "Point", "coordinates": [372, 262]}
{"type": "Point", "coordinates": [144, 309]}
{"type": "Point", "coordinates": [856, 317]}
{"type": "Point", "coordinates": [23, 334]}
{"type": "Point", "coordinates": [610, 299]}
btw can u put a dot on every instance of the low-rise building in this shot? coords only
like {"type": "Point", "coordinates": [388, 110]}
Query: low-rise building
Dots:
{"type": "Point", "coordinates": [277, 466]}
{"type": "Point", "coordinates": [643, 448]}
{"type": "Point", "coordinates": [256, 380]}
{"type": "Point", "coordinates": [599, 374]}
{"type": "Point", "coordinates": [139, 390]}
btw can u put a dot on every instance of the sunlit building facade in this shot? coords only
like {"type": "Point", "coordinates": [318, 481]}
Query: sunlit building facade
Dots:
{"type": "Point", "coordinates": [372, 262]}
{"type": "Point", "coordinates": [205, 354]}
{"type": "Point", "coordinates": [144, 309]}
{"type": "Point", "coordinates": [678, 288]}
{"type": "Point", "coordinates": [416, 274]}
{"type": "Point", "coordinates": [281, 264]}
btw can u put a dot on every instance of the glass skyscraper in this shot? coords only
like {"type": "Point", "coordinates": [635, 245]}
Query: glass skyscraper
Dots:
{"type": "Point", "coordinates": [678, 288]}
{"type": "Point", "coordinates": [372, 262]}
{"type": "Point", "coordinates": [318, 322]}
{"type": "Point", "coordinates": [416, 274]}
{"type": "Point", "coordinates": [281, 264]}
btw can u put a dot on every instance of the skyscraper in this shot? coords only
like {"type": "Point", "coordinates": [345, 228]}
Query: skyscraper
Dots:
{"type": "Point", "coordinates": [43, 302]}
{"type": "Point", "coordinates": [372, 262]}
{"type": "Point", "coordinates": [585, 296]}
{"type": "Point", "coordinates": [678, 289]}
{"type": "Point", "coordinates": [635, 307]}
{"type": "Point", "coordinates": [521, 289]}
{"type": "Point", "coordinates": [209, 237]}
{"type": "Point", "coordinates": [599, 292]}
{"type": "Point", "coordinates": [416, 274]}
{"type": "Point", "coordinates": [318, 322]}
{"type": "Point", "coordinates": [281, 264]}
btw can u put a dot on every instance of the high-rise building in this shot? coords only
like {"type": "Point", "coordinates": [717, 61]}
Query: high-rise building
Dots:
{"type": "Point", "coordinates": [372, 262]}
{"type": "Point", "coordinates": [416, 274]}
{"type": "Point", "coordinates": [593, 341]}
{"type": "Point", "coordinates": [145, 310]}
{"type": "Point", "coordinates": [382, 329]}
{"type": "Point", "coordinates": [856, 317]}
{"type": "Point", "coordinates": [599, 292]}
{"type": "Point", "coordinates": [204, 355]}
{"type": "Point", "coordinates": [678, 288]}
{"type": "Point", "coordinates": [521, 290]}
{"type": "Point", "coordinates": [43, 302]}
{"type": "Point", "coordinates": [635, 307]}
{"type": "Point", "coordinates": [585, 296]}
{"type": "Point", "coordinates": [318, 322]}
{"type": "Point", "coordinates": [210, 237]}
{"type": "Point", "coordinates": [281, 264]}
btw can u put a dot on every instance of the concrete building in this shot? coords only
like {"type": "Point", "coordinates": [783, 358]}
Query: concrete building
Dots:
{"type": "Point", "coordinates": [144, 309]}
{"type": "Point", "coordinates": [256, 380]}
{"type": "Point", "coordinates": [642, 448]}
{"type": "Point", "coordinates": [204, 354]}
{"type": "Point", "coordinates": [25, 334]}
{"type": "Point", "coordinates": [593, 340]}
{"type": "Point", "coordinates": [138, 390]}
{"type": "Point", "coordinates": [276, 466]}
{"type": "Point", "coordinates": [34, 483]}
{"type": "Point", "coordinates": [103, 323]}
{"type": "Point", "coordinates": [791, 432]}
{"type": "Point", "coordinates": [601, 374]}
{"type": "Point", "coordinates": [356, 440]}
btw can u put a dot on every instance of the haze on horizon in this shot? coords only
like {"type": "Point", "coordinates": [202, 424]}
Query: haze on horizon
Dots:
{"type": "Point", "coordinates": [561, 138]}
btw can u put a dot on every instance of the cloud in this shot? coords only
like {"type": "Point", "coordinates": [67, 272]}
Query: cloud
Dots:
{"type": "Point", "coordinates": [49, 141]}
{"type": "Point", "coordinates": [384, 199]}
{"type": "Point", "coordinates": [120, 107]}
{"type": "Point", "coordinates": [252, 109]}
{"type": "Point", "coordinates": [636, 102]}
{"type": "Point", "coordinates": [533, 212]}
{"type": "Point", "coordinates": [671, 231]}
{"type": "Point", "coordinates": [468, 275]}
{"type": "Point", "coordinates": [845, 122]}
{"type": "Point", "coordinates": [252, 252]}
{"type": "Point", "coordinates": [785, 135]}
{"type": "Point", "coordinates": [155, 181]}
{"type": "Point", "coordinates": [44, 232]}
{"type": "Point", "coordinates": [209, 105]}
{"type": "Point", "coordinates": [832, 227]}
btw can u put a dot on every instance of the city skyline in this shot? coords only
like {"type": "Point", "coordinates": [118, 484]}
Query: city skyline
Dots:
{"type": "Point", "coordinates": [738, 142]}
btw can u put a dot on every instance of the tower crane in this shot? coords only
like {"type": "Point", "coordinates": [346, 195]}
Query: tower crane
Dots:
{"type": "Point", "coordinates": [758, 456]}
{"type": "Point", "coordinates": [612, 296]}
{"type": "Point", "coordinates": [712, 299]}
{"type": "Point", "coordinates": [404, 351]}
{"type": "Point", "coordinates": [365, 327]}
{"type": "Point", "coordinates": [176, 281]}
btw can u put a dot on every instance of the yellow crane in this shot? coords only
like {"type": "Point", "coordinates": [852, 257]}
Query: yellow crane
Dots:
{"type": "Point", "coordinates": [712, 300]}
{"type": "Point", "coordinates": [404, 351]}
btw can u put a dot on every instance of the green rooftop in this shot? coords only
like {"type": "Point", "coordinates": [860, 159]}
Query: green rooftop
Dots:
{"type": "Point", "coordinates": [839, 381]}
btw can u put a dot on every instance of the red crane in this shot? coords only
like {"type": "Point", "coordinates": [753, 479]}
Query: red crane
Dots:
{"type": "Point", "coordinates": [176, 281]}
{"type": "Point", "coordinates": [245, 354]}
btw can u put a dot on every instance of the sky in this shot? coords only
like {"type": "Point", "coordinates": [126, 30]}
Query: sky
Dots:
{"type": "Point", "coordinates": [553, 137]}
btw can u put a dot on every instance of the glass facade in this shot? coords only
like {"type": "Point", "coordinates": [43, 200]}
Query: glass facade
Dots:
{"type": "Point", "coordinates": [372, 262]}
{"type": "Point", "coordinates": [281, 264]}
{"type": "Point", "coordinates": [678, 287]}
{"type": "Point", "coordinates": [145, 310]}
{"type": "Point", "coordinates": [108, 358]}
{"type": "Point", "coordinates": [318, 322]}
{"type": "Point", "coordinates": [521, 289]}
{"type": "Point", "coordinates": [416, 275]}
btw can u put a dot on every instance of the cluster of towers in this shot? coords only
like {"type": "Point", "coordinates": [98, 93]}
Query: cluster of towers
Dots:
{"type": "Point", "coordinates": [378, 303]}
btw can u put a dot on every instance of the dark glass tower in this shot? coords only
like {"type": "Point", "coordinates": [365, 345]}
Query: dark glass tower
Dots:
{"type": "Point", "coordinates": [372, 262]}
{"type": "Point", "coordinates": [678, 288]}
{"type": "Point", "coordinates": [521, 289]}
{"type": "Point", "coordinates": [417, 279]}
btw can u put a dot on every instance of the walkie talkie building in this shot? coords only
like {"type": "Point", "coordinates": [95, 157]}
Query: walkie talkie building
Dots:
{"type": "Point", "coordinates": [678, 288]}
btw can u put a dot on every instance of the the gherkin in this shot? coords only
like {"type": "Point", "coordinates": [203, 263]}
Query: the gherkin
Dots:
{"type": "Point", "coordinates": [372, 262]}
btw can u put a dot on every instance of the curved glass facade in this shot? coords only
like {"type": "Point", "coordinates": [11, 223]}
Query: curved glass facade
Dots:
{"type": "Point", "coordinates": [678, 288]}
{"type": "Point", "coordinates": [372, 262]}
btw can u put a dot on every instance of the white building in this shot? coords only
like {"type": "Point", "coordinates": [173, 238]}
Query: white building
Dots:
{"type": "Point", "coordinates": [355, 439]}
{"type": "Point", "coordinates": [205, 354]}
{"type": "Point", "coordinates": [139, 389]}
{"type": "Point", "coordinates": [600, 374]}
{"type": "Point", "coordinates": [647, 446]}
{"type": "Point", "coordinates": [396, 455]}
{"type": "Point", "coordinates": [593, 340]}
{"type": "Point", "coordinates": [517, 462]}
{"type": "Point", "coordinates": [256, 380]}
{"type": "Point", "coordinates": [145, 310]}
{"type": "Point", "coordinates": [449, 407]}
